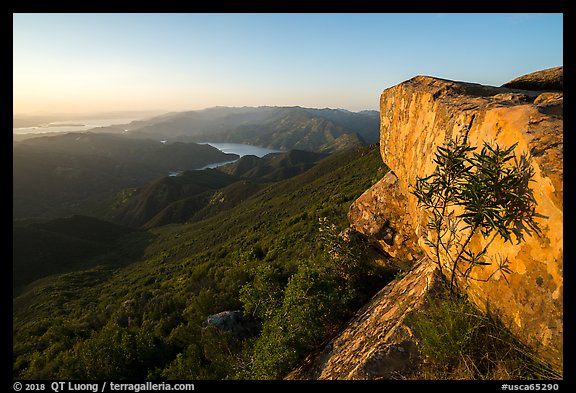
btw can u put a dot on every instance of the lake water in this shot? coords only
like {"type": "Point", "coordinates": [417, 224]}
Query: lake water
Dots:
{"type": "Point", "coordinates": [241, 149]}
{"type": "Point", "coordinates": [235, 148]}
{"type": "Point", "coordinates": [238, 148]}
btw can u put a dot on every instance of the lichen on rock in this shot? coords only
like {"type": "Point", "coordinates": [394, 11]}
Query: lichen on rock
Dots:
{"type": "Point", "coordinates": [423, 113]}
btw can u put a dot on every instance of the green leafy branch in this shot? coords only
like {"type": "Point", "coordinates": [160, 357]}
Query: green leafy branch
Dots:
{"type": "Point", "coordinates": [491, 189]}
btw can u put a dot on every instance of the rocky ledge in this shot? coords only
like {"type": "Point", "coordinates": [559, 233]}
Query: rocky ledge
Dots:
{"type": "Point", "coordinates": [416, 117]}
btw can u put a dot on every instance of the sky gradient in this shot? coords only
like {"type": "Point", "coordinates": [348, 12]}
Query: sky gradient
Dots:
{"type": "Point", "coordinates": [83, 63]}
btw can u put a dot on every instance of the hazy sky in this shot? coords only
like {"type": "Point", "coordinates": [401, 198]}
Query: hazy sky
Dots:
{"type": "Point", "coordinates": [71, 63]}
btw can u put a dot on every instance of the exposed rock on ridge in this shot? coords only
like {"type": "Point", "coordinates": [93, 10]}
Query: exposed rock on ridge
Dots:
{"type": "Point", "coordinates": [234, 322]}
{"type": "Point", "coordinates": [417, 116]}
{"type": "Point", "coordinates": [381, 214]}
{"type": "Point", "coordinates": [549, 79]}
{"type": "Point", "coordinates": [421, 114]}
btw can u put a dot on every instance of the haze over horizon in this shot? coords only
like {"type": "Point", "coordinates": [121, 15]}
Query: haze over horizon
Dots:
{"type": "Point", "coordinates": [95, 63]}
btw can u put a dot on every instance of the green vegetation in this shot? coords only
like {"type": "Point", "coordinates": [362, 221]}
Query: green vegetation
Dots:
{"type": "Point", "coordinates": [299, 315]}
{"type": "Point", "coordinates": [189, 196]}
{"type": "Point", "coordinates": [169, 199]}
{"type": "Point", "coordinates": [491, 187]}
{"type": "Point", "coordinates": [68, 244]}
{"type": "Point", "coordinates": [461, 342]}
{"type": "Point", "coordinates": [140, 311]}
{"type": "Point", "coordinates": [55, 176]}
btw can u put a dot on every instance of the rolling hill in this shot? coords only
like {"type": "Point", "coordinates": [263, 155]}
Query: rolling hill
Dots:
{"type": "Point", "coordinates": [184, 198]}
{"type": "Point", "coordinates": [171, 198]}
{"type": "Point", "coordinates": [60, 245]}
{"type": "Point", "coordinates": [273, 166]}
{"type": "Point", "coordinates": [53, 176]}
{"type": "Point", "coordinates": [138, 310]}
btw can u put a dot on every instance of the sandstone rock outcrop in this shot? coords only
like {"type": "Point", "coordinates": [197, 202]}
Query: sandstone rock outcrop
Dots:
{"type": "Point", "coordinates": [381, 214]}
{"type": "Point", "coordinates": [416, 117]}
{"type": "Point", "coordinates": [549, 79]}
{"type": "Point", "coordinates": [421, 114]}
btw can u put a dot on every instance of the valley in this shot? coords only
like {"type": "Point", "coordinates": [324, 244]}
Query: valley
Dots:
{"type": "Point", "coordinates": [147, 253]}
{"type": "Point", "coordinates": [142, 231]}
{"type": "Point", "coordinates": [157, 285]}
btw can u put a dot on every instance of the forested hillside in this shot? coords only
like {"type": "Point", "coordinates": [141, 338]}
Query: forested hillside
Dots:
{"type": "Point", "coordinates": [283, 128]}
{"type": "Point", "coordinates": [54, 176]}
{"type": "Point", "coordinates": [148, 318]}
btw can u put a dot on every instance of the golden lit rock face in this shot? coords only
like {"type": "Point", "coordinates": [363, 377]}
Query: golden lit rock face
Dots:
{"type": "Point", "coordinates": [417, 116]}
{"type": "Point", "coordinates": [381, 214]}
{"type": "Point", "coordinates": [421, 114]}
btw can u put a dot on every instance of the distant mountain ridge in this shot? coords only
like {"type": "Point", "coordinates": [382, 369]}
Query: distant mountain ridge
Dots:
{"type": "Point", "coordinates": [282, 128]}
{"type": "Point", "coordinates": [172, 198]}
{"type": "Point", "coordinates": [50, 172]}
{"type": "Point", "coordinates": [273, 166]}
{"type": "Point", "coordinates": [193, 194]}
{"type": "Point", "coordinates": [52, 175]}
